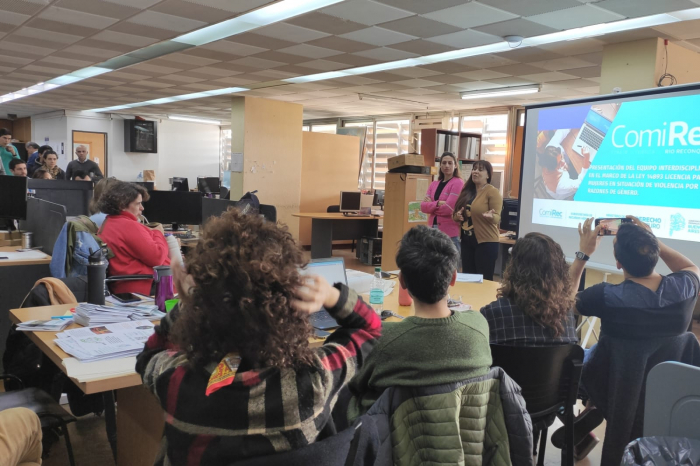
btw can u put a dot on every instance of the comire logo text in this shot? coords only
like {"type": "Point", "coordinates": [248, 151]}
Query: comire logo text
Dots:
{"type": "Point", "coordinates": [551, 213]}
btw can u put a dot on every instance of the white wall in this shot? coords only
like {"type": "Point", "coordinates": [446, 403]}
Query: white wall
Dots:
{"type": "Point", "coordinates": [184, 148]}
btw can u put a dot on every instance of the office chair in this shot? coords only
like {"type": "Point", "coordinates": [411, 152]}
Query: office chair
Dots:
{"type": "Point", "coordinates": [549, 377]}
{"type": "Point", "coordinates": [50, 413]}
{"type": "Point", "coordinates": [672, 401]}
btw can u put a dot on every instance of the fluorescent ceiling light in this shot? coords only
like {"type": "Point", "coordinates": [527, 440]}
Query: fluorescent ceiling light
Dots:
{"type": "Point", "coordinates": [317, 77]}
{"type": "Point", "coordinates": [176, 98]}
{"type": "Point", "coordinates": [392, 65]}
{"type": "Point", "coordinates": [261, 17]}
{"type": "Point", "coordinates": [502, 91]}
{"type": "Point", "coordinates": [65, 79]}
{"type": "Point", "coordinates": [89, 72]}
{"type": "Point", "coordinates": [194, 120]}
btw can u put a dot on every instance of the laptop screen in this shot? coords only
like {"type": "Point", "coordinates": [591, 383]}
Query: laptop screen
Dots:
{"type": "Point", "coordinates": [332, 269]}
{"type": "Point", "coordinates": [598, 121]}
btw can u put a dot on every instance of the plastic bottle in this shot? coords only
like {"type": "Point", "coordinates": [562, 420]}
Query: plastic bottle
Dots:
{"type": "Point", "coordinates": [376, 292]}
{"type": "Point", "coordinates": [139, 178]}
{"type": "Point", "coordinates": [174, 251]}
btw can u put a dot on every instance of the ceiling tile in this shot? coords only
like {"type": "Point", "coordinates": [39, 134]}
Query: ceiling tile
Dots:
{"type": "Point", "coordinates": [529, 54]}
{"type": "Point", "coordinates": [464, 39]}
{"type": "Point", "coordinates": [290, 32]}
{"type": "Point", "coordinates": [519, 27]}
{"type": "Point", "coordinates": [190, 10]}
{"type": "Point", "coordinates": [233, 48]}
{"type": "Point", "coordinates": [548, 77]}
{"type": "Point", "coordinates": [635, 34]}
{"type": "Point", "coordinates": [366, 12]}
{"type": "Point", "coordinates": [422, 6]}
{"type": "Point", "coordinates": [177, 78]}
{"type": "Point", "coordinates": [17, 60]}
{"type": "Point", "coordinates": [682, 30]}
{"type": "Point", "coordinates": [637, 8]}
{"type": "Point", "coordinates": [310, 51]}
{"type": "Point", "coordinates": [53, 37]}
{"type": "Point", "coordinates": [325, 23]}
{"type": "Point", "coordinates": [239, 6]}
{"type": "Point", "coordinates": [558, 64]}
{"type": "Point", "coordinates": [56, 26]}
{"type": "Point", "coordinates": [595, 57]}
{"type": "Point", "coordinates": [97, 7]}
{"type": "Point", "coordinates": [479, 75]}
{"type": "Point", "coordinates": [417, 83]}
{"type": "Point", "coordinates": [415, 72]}
{"type": "Point", "coordinates": [378, 36]}
{"type": "Point", "coordinates": [26, 8]}
{"type": "Point", "coordinates": [25, 50]}
{"type": "Point", "coordinates": [518, 69]}
{"type": "Point", "coordinates": [165, 21]}
{"type": "Point", "coordinates": [510, 81]}
{"type": "Point", "coordinates": [386, 54]}
{"type": "Point", "coordinates": [449, 67]}
{"type": "Point", "coordinates": [422, 47]}
{"type": "Point", "coordinates": [257, 62]}
{"type": "Point", "coordinates": [470, 15]}
{"type": "Point", "coordinates": [421, 27]}
{"type": "Point", "coordinates": [323, 65]}
{"type": "Point", "coordinates": [340, 44]}
{"type": "Point", "coordinates": [209, 54]}
{"type": "Point", "coordinates": [531, 7]}
{"type": "Point", "coordinates": [575, 47]}
{"type": "Point", "coordinates": [280, 57]}
{"type": "Point", "coordinates": [576, 17]}
{"type": "Point", "coordinates": [588, 72]}
{"type": "Point", "coordinates": [137, 29]}
{"type": "Point", "coordinates": [111, 46]}
{"type": "Point", "coordinates": [140, 4]}
{"type": "Point", "coordinates": [354, 60]}
{"type": "Point", "coordinates": [257, 40]}
{"type": "Point", "coordinates": [485, 61]}
{"type": "Point", "coordinates": [125, 39]}
{"type": "Point", "coordinates": [447, 79]}
{"type": "Point", "coordinates": [78, 18]}
{"type": "Point", "coordinates": [7, 17]}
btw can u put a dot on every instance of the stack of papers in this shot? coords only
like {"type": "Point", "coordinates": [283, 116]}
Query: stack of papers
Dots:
{"type": "Point", "coordinates": [53, 325]}
{"type": "Point", "coordinates": [361, 282]}
{"type": "Point", "coordinates": [470, 278]}
{"type": "Point", "coordinates": [89, 315]}
{"type": "Point", "coordinates": [106, 341]}
{"type": "Point", "coordinates": [89, 371]}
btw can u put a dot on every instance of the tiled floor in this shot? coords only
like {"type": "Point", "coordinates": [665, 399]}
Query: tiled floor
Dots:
{"type": "Point", "coordinates": [91, 447]}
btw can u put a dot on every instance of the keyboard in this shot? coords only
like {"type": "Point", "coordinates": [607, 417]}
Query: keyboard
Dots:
{"type": "Point", "coordinates": [322, 320]}
{"type": "Point", "coordinates": [591, 138]}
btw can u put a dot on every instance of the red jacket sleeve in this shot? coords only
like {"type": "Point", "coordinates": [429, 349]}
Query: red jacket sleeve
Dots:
{"type": "Point", "coordinates": [148, 246]}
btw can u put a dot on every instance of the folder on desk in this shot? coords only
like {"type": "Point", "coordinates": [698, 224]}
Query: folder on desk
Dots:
{"type": "Point", "coordinates": [470, 278]}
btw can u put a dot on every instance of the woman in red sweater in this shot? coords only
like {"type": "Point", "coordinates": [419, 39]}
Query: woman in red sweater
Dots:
{"type": "Point", "coordinates": [137, 248]}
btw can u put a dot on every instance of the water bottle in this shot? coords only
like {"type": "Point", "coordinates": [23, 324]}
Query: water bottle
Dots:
{"type": "Point", "coordinates": [376, 292]}
{"type": "Point", "coordinates": [140, 177]}
{"type": "Point", "coordinates": [96, 275]}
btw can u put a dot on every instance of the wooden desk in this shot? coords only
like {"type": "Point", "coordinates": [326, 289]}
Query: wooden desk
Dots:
{"type": "Point", "coordinates": [139, 418]}
{"type": "Point", "coordinates": [325, 227]}
{"type": "Point", "coordinates": [17, 278]}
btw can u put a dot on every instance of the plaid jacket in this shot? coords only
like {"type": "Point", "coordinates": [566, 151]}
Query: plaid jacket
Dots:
{"type": "Point", "coordinates": [263, 411]}
{"type": "Point", "coordinates": [508, 325]}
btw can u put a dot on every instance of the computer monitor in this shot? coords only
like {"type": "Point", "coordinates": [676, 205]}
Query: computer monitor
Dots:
{"type": "Point", "coordinates": [149, 185]}
{"type": "Point", "coordinates": [509, 215]}
{"type": "Point", "coordinates": [13, 200]}
{"type": "Point", "coordinates": [45, 220]}
{"type": "Point", "coordinates": [350, 201]}
{"type": "Point", "coordinates": [75, 195]}
{"type": "Point", "coordinates": [214, 207]}
{"type": "Point", "coordinates": [174, 207]}
{"type": "Point", "coordinates": [208, 184]}
{"type": "Point", "coordinates": [180, 184]}
{"type": "Point", "coordinates": [378, 197]}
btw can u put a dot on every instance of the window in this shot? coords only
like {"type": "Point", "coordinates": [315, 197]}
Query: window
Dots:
{"type": "Point", "coordinates": [323, 128]}
{"type": "Point", "coordinates": [494, 133]}
{"type": "Point", "coordinates": [392, 138]}
{"type": "Point", "coordinates": [306, 128]}
{"type": "Point", "coordinates": [224, 151]}
{"type": "Point", "coordinates": [368, 155]}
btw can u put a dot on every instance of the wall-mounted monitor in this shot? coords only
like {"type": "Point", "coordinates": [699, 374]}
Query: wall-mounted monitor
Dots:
{"type": "Point", "coordinates": [140, 136]}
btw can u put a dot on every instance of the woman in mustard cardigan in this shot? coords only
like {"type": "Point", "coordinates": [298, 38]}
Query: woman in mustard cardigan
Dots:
{"type": "Point", "coordinates": [478, 209]}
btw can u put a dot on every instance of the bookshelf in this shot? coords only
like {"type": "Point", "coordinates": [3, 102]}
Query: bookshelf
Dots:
{"type": "Point", "coordinates": [466, 146]}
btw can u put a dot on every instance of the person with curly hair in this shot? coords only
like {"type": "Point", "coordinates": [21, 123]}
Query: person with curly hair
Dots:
{"type": "Point", "coordinates": [231, 366]}
{"type": "Point", "coordinates": [535, 302]}
{"type": "Point", "coordinates": [137, 248]}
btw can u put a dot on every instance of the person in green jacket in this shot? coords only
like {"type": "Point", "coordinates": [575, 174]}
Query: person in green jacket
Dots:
{"type": "Point", "coordinates": [7, 150]}
{"type": "Point", "coordinates": [436, 345]}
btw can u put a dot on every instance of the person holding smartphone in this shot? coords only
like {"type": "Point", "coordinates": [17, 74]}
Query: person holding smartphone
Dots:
{"type": "Point", "coordinates": [137, 248]}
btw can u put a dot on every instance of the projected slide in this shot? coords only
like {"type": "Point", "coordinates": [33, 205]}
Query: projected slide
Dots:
{"type": "Point", "coordinates": [611, 159]}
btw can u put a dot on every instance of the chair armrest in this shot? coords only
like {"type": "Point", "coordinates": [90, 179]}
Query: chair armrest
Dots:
{"type": "Point", "coordinates": [12, 377]}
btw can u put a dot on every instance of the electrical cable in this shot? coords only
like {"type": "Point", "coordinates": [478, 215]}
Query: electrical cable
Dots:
{"type": "Point", "coordinates": [666, 75]}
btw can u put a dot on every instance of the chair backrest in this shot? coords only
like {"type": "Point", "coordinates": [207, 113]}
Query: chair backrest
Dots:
{"type": "Point", "coordinates": [333, 209]}
{"type": "Point", "coordinates": [672, 402]}
{"type": "Point", "coordinates": [548, 375]}
{"type": "Point", "coordinates": [269, 212]}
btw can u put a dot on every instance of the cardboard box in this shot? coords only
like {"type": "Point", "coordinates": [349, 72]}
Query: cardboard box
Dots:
{"type": "Point", "coordinates": [434, 170]}
{"type": "Point", "coordinates": [403, 160]}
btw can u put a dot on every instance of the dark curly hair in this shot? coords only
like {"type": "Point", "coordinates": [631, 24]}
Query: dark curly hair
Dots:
{"type": "Point", "coordinates": [119, 196]}
{"type": "Point", "coordinates": [537, 281]}
{"type": "Point", "coordinates": [245, 271]}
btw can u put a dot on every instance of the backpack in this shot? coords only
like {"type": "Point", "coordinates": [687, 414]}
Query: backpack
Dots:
{"type": "Point", "coordinates": [72, 248]}
{"type": "Point", "coordinates": [249, 203]}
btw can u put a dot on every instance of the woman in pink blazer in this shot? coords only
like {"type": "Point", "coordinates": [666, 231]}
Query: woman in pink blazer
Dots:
{"type": "Point", "coordinates": [441, 197]}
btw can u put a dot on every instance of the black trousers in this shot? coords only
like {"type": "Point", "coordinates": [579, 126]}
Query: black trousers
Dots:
{"type": "Point", "coordinates": [478, 258]}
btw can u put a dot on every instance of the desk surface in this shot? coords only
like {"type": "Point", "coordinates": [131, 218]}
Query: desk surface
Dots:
{"type": "Point", "coordinates": [33, 261]}
{"type": "Point", "coordinates": [475, 294]}
{"type": "Point", "coordinates": [333, 216]}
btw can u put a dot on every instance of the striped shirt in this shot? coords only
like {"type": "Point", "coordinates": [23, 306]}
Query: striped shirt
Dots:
{"type": "Point", "coordinates": [263, 411]}
{"type": "Point", "coordinates": [508, 325]}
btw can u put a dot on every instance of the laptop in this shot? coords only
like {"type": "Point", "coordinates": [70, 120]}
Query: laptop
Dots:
{"type": "Point", "coordinates": [333, 270]}
{"type": "Point", "coordinates": [592, 132]}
